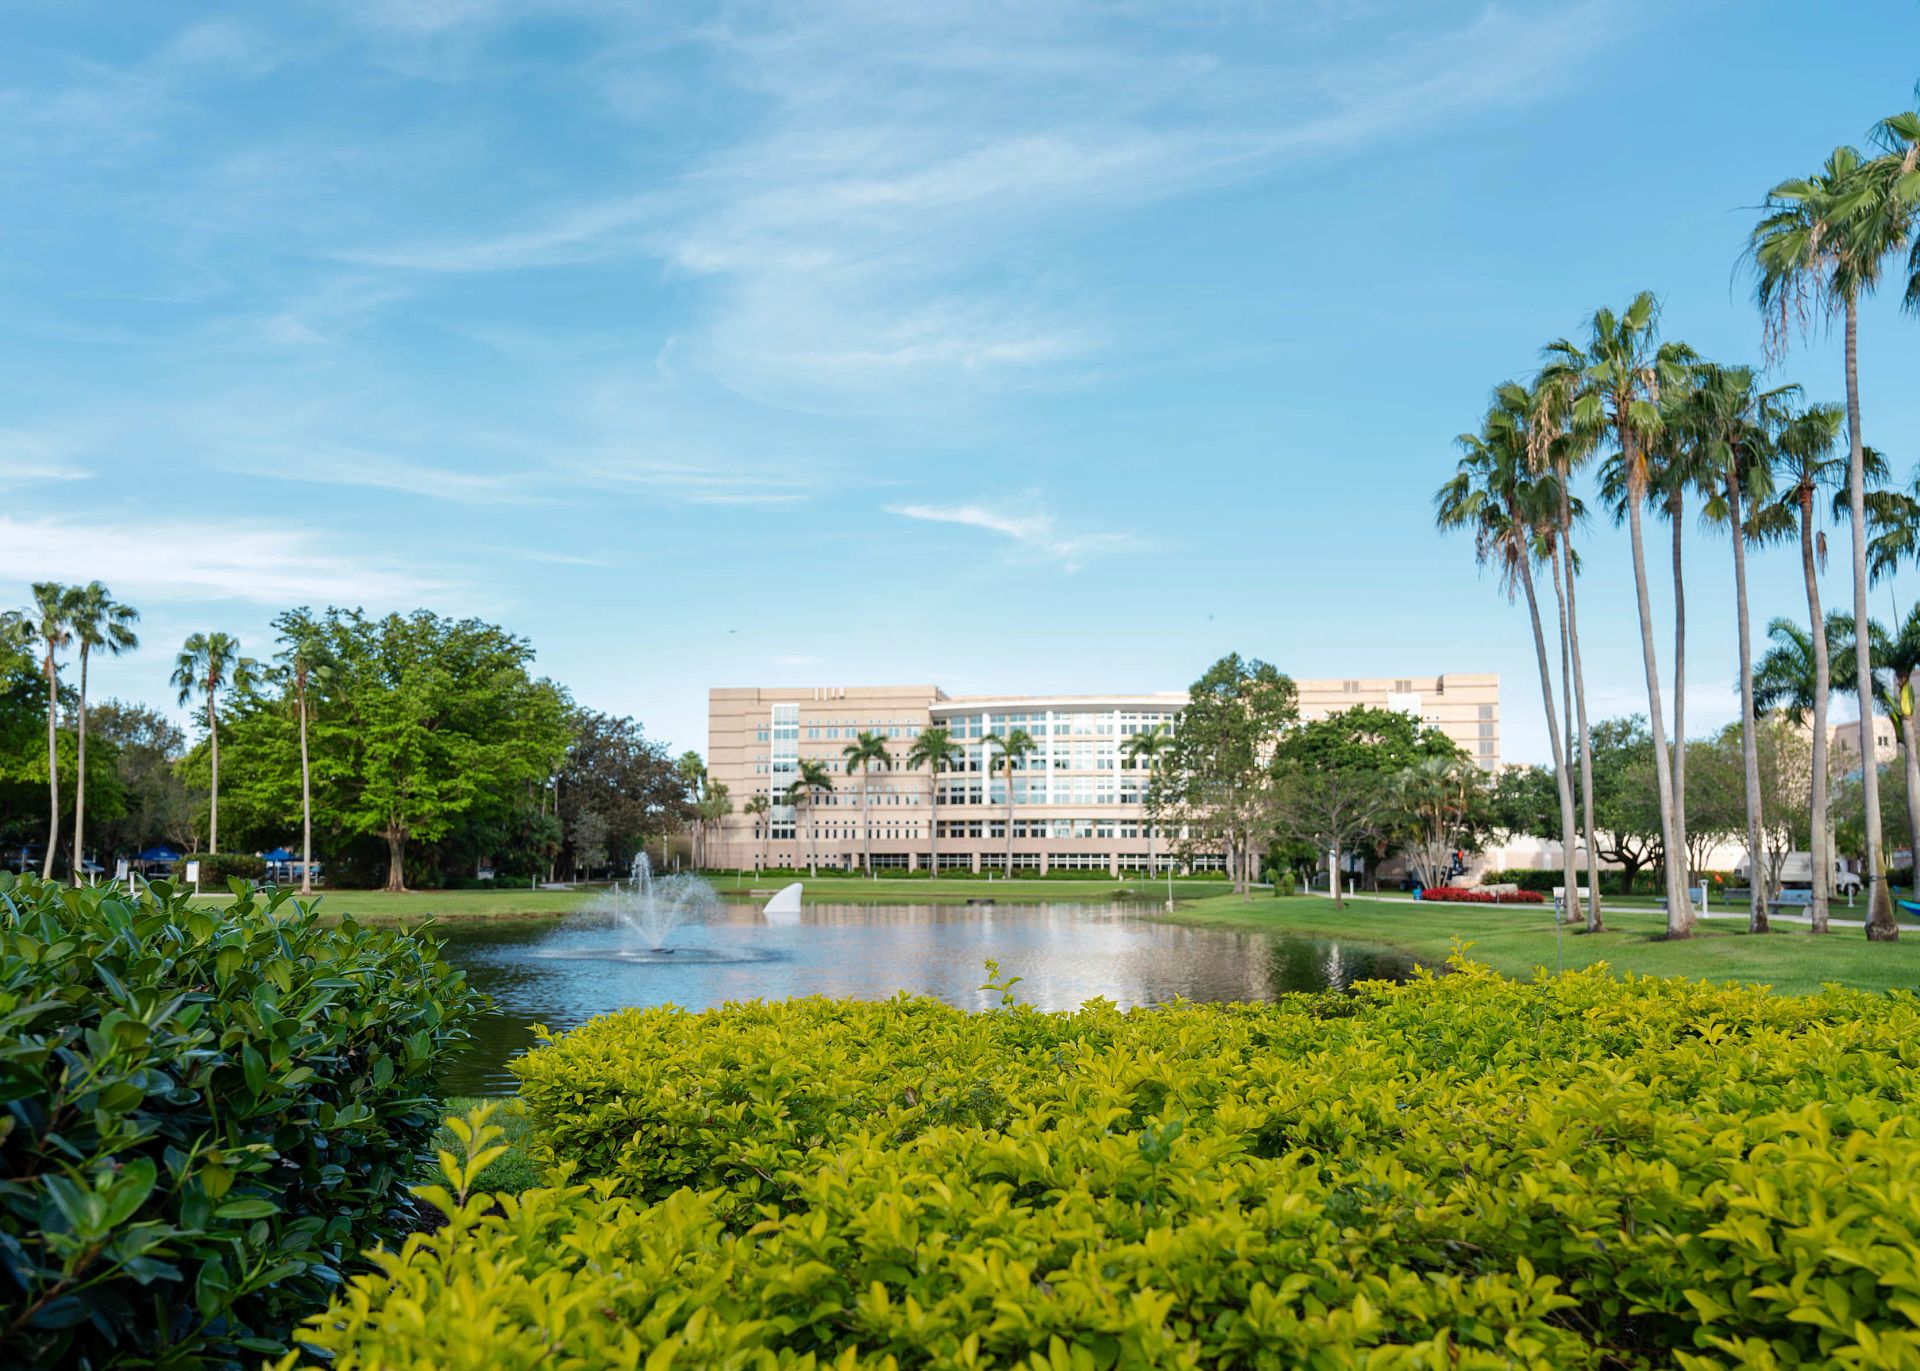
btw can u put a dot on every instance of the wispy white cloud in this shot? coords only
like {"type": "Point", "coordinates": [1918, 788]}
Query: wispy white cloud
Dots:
{"type": "Point", "coordinates": [1033, 531]}
{"type": "Point", "coordinates": [698, 482]}
{"type": "Point", "coordinates": [26, 455]}
{"type": "Point", "coordinates": [373, 471]}
{"type": "Point", "coordinates": [209, 559]}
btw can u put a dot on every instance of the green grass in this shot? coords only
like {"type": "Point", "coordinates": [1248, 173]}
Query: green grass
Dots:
{"type": "Point", "coordinates": [414, 906]}
{"type": "Point", "coordinates": [509, 1174]}
{"type": "Point", "coordinates": [1515, 939]}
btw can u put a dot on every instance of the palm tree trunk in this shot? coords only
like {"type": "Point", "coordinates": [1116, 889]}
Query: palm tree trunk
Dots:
{"type": "Point", "coordinates": [1594, 924]}
{"type": "Point", "coordinates": [1817, 847]}
{"type": "Point", "coordinates": [933, 820]}
{"type": "Point", "coordinates": [1913, 783]}
{"type": "Point", "coordinates": [866, 818]}
{"type": "Point", "coordinates": [306, 803]}
{"type": "Point", "coordinates": [1677, 508]}
{"type": "Point", "coordinates": [80, 776]}
{"type": "Point", "coordinates": [1009, 816]}
{"type": "Point", "coordinates": [1570, 905]}
{"type": "Point", "coordinates": [1562, 782]}
{"type": "Point", "coordinates": [1881, 927]}
{"type": "Point", "coordinates": [1679, 914]}
{"type": "Point", "coordinates": [1749, 746]}
{"type": "Point", "coordinates": [213, 795]}
{"type": "Point", "coordinates": [53, 766]}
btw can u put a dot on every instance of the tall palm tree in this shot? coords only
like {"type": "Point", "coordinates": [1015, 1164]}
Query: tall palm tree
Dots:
{"type": "Point", "coordinates": [1559, 448]}
{"type": "Point", "coordinates": [1789, 678]}
{"type": "Point", "coordinates": [99, 621]}
{"type": "Point", "coordinates": [1899, 656]}
{"type": "Point", "coordinates": [760, 808]}
{"type": "Point", "coordinates": [1804, 455]}
{"type": "Point", "coordinates": [209, 664]}
{"type": "Point", "coordinates": [710, 812]}
{"type": "Point", "coordinates": [1147, 749]}
{"type": "Point", "coordinates": [810, 782]}
{"type": "Point", "coordinates": [306, 663]}
{"type": "Point", "coordinates": [1012, 746]}
{"type": "Point", "coordinates": [1729, 426]}
{"type": "Point", "coordinates": [51, 614]}
{"type": "Point", "coordinates": [934, 749]}
{"type": "Point", "coordinates": [1817, 251]}
{"type": "Point", "coordinates": [1495, 495]}
{"type": "Point", "coordinates": [866, 749]}
{"type": "Point", "coordinates": [1617, 377]}
{"type": "Point", "coordinates": [1898, 171]}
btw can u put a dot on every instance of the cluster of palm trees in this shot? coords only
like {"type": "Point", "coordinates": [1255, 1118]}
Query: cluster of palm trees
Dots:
{"type": "Point", "coordinates": [1668, 428]}
{"type": "Point", "coordinates": [85, 620]}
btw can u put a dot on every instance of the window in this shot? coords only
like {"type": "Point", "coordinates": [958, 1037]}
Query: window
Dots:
{"type": "Point", "coordinates": [1350, 687]}
{"type": "Point", "coordinates": [1486, 711]}
{"type": "Point", "coordinates": [1486, 730]}
{"type": "Point", "coordinates": [1403, 687]}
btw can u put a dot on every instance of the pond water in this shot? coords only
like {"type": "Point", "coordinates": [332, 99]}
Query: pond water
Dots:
{"type": "Point", "coordinates": [564, 973]}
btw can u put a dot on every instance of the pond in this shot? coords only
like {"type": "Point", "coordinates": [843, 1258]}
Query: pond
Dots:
{"type": "Point", "coordinates": [564, 973]}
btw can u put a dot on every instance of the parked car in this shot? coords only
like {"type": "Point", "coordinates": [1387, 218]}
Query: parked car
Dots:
{"type": "Point", "coordinates": [1796, 873]}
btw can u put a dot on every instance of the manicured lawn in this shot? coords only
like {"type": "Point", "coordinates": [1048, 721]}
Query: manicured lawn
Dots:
{"type": "Point", "coordinates": [507, 1175]}
{"type": "Point", "coordinates": [1515, 940]}
{"type": "Point", "coordinates": [414, 906]}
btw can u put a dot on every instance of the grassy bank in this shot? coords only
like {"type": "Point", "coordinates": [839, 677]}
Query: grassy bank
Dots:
{"type": "Point", "coordinates": [1514, 940]}
{"type": "Point", "coordinates": [416, 906]}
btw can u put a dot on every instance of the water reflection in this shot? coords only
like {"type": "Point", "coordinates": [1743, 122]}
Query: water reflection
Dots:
{"type": "Point", "coordinates": [1065, 953]}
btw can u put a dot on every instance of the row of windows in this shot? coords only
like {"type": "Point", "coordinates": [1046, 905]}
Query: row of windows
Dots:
{"type": "Point", "coordinates": [1047, 828]}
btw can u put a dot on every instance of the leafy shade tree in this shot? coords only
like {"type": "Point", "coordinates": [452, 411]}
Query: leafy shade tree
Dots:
{"type": "Point", "coordinates": [1617, 376]}
{"type": "Point", "coordinates": [98, 621]}
{"type": "Point", "coordinates": [613, 770]}
{"type": "Point", "coordinates": [210, 665]}
{"type": "Point", "coordinates": [759, 809]}
{"type": "Point", "coordinates": [51, 615]}
{"type": "Point", "coordinates": [1818, 249]}
{"type": "Point", "coordinates": [1626, 799]}
{"type": "Point", "coordinates": [1012, 747]}
{"type": "Point", "coordinates": [1337, 778]}
{"type": "Point", "coordinates": [810, 782]}
{"type": "Point", "coordinates": [935, 750]}
{"type": "Point", "coordinates": [152, 803]}
{"type": "Point", "coordinates": [1146, 751]}
{"type": "Point", "coordinates": [1523, 804]}
{"type": "Point", "coordinates": [1219, 779]}
{"type": "Point", "coordinates": [1496, 494]}
{"type": "Point", "coordinates": [862, 753]}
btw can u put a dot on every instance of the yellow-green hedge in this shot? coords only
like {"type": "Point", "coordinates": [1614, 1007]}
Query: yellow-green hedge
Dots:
{"type": "Point", "coordinates": [1464, 1171]}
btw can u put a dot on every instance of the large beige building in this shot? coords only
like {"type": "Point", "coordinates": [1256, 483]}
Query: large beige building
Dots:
{"type": "Point", "coordinates": [1077, 803]}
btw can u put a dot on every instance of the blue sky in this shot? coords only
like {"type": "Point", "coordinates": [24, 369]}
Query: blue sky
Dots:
{"type": "Point", "coordinates": [1008, 347]}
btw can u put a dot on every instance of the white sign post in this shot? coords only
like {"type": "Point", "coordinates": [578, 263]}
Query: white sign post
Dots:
{"type": "Point", "coordinates": [193, 874]}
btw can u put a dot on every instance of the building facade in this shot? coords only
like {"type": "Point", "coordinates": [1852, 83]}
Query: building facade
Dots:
{"type": "Point", "coordinates": [1077, 802]}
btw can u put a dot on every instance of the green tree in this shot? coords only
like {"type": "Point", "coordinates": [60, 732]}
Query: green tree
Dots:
{"type": "Point", "coordinates": [810, 782]}
{"type": "Point", "coordinates": [760, 809]}
{"type": "Point", "coordinates": [861, 754]}
{"type": "Point", "coordinates": [614, 770]}
{"type": "Point", "coordinates": [1626, 797]}
{"type": "Point", "coordinates": [51, 615]}
{"type": "Point", "coordinates": [1147, 751]}
{"type": "Point", "coordinates": [302, 656]}
{"type": "Point", "coordinates": [1013, 747]}
{"type": "Point", "coordinates": [710, 812]}
{"type": "Point", "coordinates": [1617, 376]}
{"type": "Point", "coordinates": [98, 621]}
{"type": "Point", "coordinates": [153, 803]}
{"type": "Point", "coordinates": [1817, 251]}
{"type": "Point", "coordinates": [1440, 804]}
{"type": "Point", "coordinates": [935, 750]}
{"type": "Point", "coordinates": [428, 723]}
{"type": "Point", "coordinates": [1496, 494]}
{"type": "Point", "coordinates": [1807, 465]}
{"type": "Point", "coordinates": [1219, 779]}
{"type": "Point", "coordinates": [210, 665]}
{"type": "Point", "coordinates": [1523, 804]}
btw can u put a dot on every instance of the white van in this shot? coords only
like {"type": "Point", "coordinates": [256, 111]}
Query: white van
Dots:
{"type": "Point", "coordinates": [1797, 873]}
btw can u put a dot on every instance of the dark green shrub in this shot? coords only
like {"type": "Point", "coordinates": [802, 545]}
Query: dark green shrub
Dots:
{"type": "Point", "coordinates": [204, 1115]}
{"type": "Point", "coordinates": [216, 867]}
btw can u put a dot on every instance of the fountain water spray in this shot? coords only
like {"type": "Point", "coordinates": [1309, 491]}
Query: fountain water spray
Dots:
{"type": "Point", "coordinates": [653, 907]}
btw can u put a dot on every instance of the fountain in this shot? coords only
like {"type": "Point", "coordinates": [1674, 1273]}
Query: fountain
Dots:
{"type": "Point", "coordinates": [653, 907]}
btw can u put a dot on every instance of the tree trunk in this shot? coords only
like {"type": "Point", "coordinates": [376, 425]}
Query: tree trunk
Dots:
{"type": "Point", "coordinates": [53, 765]}
{"type": "Point", "coordinates": [1757, 921]}
{"type": "Point", "coordinates": [866, 818]}
{"type": "Point", "coordinates": [1881, 927]}
{"type": "Point", "coordinates": [1568, 871]}
{"type": "Point", "coordinates": [80, 778]}
{"type": "Point", "coordinates": [1009, 816]}
{"type": "Point", "coordinates": [933, 821]}
{"type": "Point", "coordinates": [306, 802]}
{"type": "Point", "coordinates": [1333, 874]}
{"type": "Point", "coordinates": [1677, 507]}
{"type": "Point", "coordinates": [396, 858]}
{"type": "Point", "coordinates": [1679, 913]}
{"type": "Point", "coordinates": [213, 794]}
{"type": "Point", "coordinates": [1818, 849]}
{"type": "Point", "coordinates": [1913, 783]}
{"type": "Point", "coordinates": [1594, 923]}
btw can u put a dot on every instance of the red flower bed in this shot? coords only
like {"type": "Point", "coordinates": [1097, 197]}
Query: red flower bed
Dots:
{"type": "Point", "coordinates": [1453, 894]}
